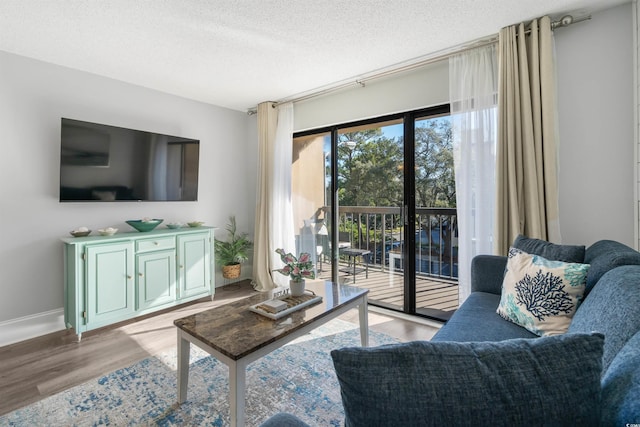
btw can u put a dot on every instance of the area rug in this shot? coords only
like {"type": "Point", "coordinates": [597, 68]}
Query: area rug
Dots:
{"type": "Point", "coordinates": [298, 378]}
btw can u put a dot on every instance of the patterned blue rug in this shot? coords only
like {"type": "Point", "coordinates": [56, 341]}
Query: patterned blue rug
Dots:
{"type": "Point", "coordinates": [298, 378]}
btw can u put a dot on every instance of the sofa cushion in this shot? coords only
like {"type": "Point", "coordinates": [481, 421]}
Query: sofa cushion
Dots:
{"type": "Point", "coordinates": [550, 251]}
{"type": "Point", "coordinates": [477, 320]}
{"type": "Point", "coordinates": [621, 386]}
{"type": "Point", "coordinates": [606, 255]}
{"type": "Point", "coordinates": [541, 295]}
{"type": "Point", "coordinates": [611, 309]}
{"type": "Point", "coordinates": [513, 382]}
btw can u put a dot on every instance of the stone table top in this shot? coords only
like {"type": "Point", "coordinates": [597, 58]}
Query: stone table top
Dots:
{"type": "Point", "coordinates": [235, 331]}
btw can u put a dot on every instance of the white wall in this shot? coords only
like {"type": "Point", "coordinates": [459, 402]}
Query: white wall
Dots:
{"type": "Point", "coordinates": [595, 103]}
{"type": "Point", "coordinates": [33, 97]}
{"type": "Point", "coordinates": [378, 97]}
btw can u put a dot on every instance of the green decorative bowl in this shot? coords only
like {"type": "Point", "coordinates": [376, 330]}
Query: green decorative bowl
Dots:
{"type": "Point", "coordinates": [142, 226]}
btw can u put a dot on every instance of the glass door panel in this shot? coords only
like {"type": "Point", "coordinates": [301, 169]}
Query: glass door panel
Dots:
{"type": "Point", "coordinates": [436, 247]}
{"type": "Point", "coordinates": [370, 185]}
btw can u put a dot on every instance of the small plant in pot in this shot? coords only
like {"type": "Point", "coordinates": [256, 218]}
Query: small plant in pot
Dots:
{"type": "Point", "coordinates": [231, 253]}
{"type": "Point", "coordinates": [298, 269]}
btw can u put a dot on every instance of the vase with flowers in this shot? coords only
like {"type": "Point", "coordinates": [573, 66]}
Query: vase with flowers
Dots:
{"type": "Point", "coordinates": [298, 269]}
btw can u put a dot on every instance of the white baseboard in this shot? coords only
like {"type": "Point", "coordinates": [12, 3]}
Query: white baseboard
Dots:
{"type": "Point", "coordinates": [35, 325]}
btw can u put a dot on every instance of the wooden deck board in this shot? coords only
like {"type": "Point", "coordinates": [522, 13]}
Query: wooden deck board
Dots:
{"type": "Point", "coordinates": [432, 293]}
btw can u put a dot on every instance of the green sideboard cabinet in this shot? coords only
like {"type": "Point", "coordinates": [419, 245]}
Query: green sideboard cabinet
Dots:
{"type": "Point", "coordinates": [108, 279]}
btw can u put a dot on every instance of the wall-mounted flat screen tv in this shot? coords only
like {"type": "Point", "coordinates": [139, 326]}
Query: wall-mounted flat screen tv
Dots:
{"type": "Point", "coordinates": [108, 163]}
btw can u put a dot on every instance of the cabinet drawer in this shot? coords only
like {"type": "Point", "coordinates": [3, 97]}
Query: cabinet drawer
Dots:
{"type": "Point", "coordinates": [155, 244]}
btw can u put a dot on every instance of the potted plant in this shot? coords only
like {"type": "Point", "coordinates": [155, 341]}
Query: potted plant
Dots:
{"type": "Point", "coordinates": [297, 269]}
{"type": "Point", "coordinates": [230, 254]}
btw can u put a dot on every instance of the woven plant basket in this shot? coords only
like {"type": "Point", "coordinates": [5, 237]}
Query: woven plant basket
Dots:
{"type": "Point", "coordinates": [231, 271]}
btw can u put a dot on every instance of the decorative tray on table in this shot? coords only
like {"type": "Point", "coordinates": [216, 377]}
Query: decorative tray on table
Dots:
{"type": "Point", "coordinates": [275, 308]}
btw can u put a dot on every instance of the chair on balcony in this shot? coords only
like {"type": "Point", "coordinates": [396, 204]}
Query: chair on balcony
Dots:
{"type": "Point", "coordinates": [323, 244]}
{"type": "Point", "coordinates": [344, 240]}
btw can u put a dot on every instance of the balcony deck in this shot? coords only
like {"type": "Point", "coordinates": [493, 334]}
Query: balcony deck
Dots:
{"type": "Point", "coordinates": [436, 296]}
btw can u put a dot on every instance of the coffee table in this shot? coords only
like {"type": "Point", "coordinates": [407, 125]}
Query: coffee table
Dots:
{"type": "Point", "coordinates": [237, 336]}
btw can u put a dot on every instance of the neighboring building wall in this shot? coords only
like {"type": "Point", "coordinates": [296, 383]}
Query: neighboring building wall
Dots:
{"type": "Point", "coordinates": [307, 189]}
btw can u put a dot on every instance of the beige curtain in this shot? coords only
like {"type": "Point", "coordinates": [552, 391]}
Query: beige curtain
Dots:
{"type": "Point", "coordinates": [526, 169]}
{"type": "Point", "coordinates": [267, 122]}
{"type": "Point", "coordinates": [274, 212]}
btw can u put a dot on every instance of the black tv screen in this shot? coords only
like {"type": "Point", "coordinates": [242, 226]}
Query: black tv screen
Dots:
{"type": "Point", "coordinates": [108, 163]}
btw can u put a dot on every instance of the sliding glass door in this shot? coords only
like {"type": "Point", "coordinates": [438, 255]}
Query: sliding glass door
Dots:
{"type": "Point", "coordinates": [379, 196]}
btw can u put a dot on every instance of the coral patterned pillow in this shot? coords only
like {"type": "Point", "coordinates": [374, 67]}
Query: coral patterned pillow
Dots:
{"type": "Point", "coordinates": [541, 295]}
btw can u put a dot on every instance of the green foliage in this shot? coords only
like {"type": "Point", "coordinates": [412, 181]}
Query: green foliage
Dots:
{"type": "Point", "coordinates": [435, 183]}
{"type": "Point", "coordinates": [235, 250]}
{"type": "Point", "coordinates": [372, 172]}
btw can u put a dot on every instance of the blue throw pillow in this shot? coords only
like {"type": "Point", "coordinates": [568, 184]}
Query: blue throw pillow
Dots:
{"type": "Point", "coordinates": [550, 251]}
{"type": "Point", "coordinates": [543, 381]}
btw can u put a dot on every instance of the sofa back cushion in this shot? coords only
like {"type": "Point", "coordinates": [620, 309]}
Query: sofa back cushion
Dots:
{"type": "Point", "coordinates": [621, 386]}
{"type": "Point", "coordinates": [612, 309]}
{"type": "Point", "coordinates": [549, 380]}
{"type": "Point", "coordinates": [550, 251]}
{"type": "Point", "coordinates": [606, 255]}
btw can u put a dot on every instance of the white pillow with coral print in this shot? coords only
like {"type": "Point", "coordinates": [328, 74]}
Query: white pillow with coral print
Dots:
{"type": "Point", "coordinates": [541, 295]}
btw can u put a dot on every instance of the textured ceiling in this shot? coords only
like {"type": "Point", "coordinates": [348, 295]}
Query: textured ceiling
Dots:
{"type": "Point", "coordinates": [237, 53]}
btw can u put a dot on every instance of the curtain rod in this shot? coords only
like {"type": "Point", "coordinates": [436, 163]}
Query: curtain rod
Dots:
{"type": "Point", "coordinates": [423, 61]}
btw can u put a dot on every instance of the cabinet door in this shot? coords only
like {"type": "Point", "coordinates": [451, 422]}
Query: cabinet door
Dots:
{"type": "Point", "coordinates": [156, 278]}
{"type": "Point", "coordinates": [109, 282]}
{"type": "Point", "coordinates": [194, 264]}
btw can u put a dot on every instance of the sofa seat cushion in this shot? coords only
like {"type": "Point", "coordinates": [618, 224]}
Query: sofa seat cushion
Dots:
{"type": "Point", "coordinates": [477, 320]}
{"type": "Point", "coordinates": [546, 381]}
{"type": "Point", "coordinates": [621, 386]}
{"type": "Point", "coordinates": [541, 295]}
{"type": "Point", "coordinates": [612, 309]}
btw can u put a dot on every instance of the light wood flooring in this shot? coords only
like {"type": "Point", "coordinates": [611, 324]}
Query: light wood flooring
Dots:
{"type": "Point", "coordinates": [34, 369]}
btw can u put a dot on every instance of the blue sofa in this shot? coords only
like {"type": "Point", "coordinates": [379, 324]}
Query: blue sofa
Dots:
{"type": "Point", "coordinates": [611, 308]}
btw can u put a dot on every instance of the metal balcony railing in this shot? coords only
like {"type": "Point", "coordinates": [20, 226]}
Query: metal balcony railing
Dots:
{"type": "Point", "coordinates": [380, 230]}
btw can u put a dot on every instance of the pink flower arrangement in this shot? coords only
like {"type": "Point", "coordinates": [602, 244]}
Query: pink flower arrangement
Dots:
{"type": "Point", "coordinates": [297, 268]}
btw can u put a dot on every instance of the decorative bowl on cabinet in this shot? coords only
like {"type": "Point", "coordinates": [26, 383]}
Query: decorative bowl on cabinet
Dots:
{"type": "Point", "coordinates": [144, 224]}
{"type": "Point", "coordinates": [109, 231]}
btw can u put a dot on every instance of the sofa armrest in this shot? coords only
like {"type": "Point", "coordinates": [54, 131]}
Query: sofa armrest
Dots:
{"type": "Point", "coordinates": [487, 273]}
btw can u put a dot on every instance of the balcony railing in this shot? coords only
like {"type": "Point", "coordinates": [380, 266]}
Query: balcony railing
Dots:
{"type": "Point", "coordinates": [381, 231]}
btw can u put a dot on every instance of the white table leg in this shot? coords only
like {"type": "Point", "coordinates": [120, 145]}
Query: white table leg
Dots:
{"type": "Point", "coordinates": [363, 312]}
{"type": "Point", "coordinates": [184, 348]}
{"type": "Point", "coordinates": [237, 387]}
